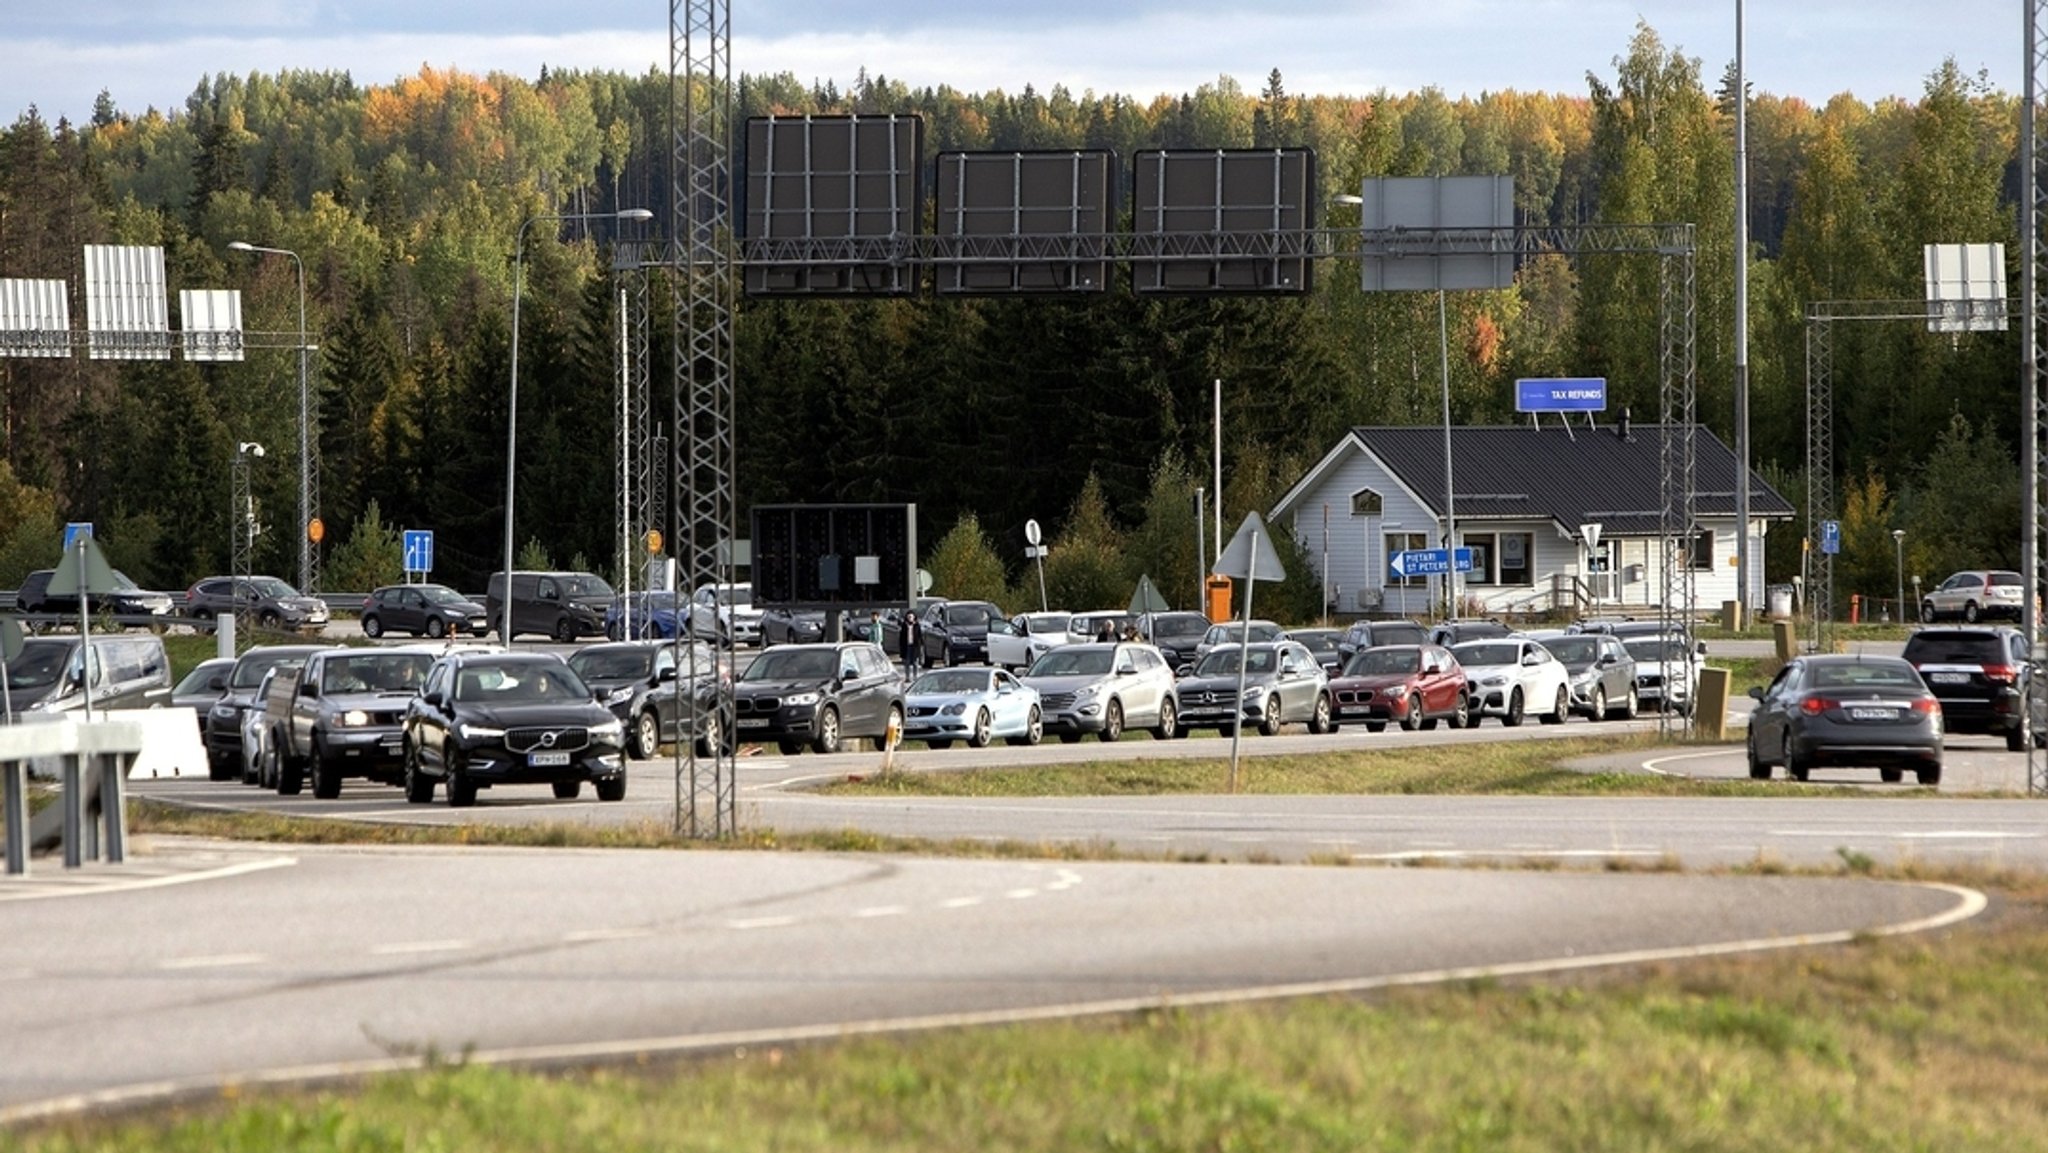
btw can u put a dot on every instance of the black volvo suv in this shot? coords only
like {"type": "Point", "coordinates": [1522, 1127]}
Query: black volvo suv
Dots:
{"type": "Point", "coordinates": [497, 718]}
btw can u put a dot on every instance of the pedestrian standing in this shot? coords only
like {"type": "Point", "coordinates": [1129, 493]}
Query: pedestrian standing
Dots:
{"type": "Point", "coordinates": [912, 644]}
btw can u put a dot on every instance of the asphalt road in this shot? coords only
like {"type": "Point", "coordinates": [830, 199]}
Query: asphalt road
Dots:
{"type": "Point", "coordinates": [328, 961]}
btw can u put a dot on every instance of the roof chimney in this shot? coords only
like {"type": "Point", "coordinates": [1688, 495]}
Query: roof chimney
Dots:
{"type": "Point", "coordinates": [1621, 430]}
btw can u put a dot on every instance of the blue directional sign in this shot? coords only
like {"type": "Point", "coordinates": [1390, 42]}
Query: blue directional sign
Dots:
{"type": "Point", "coordinates": [418, 546]}
{"type": "Point", "coordinates": [1831, 536]}
{"type": "Point", "coordinates": [1427, 562]}
{"type": "Point", "coordinates": [1561, 394]}
{"type": "Point", "coordinates": [74, 530]}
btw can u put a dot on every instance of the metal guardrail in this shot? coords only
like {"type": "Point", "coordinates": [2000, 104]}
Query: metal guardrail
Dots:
{"type": "Point", "coordinates": [90, 812]}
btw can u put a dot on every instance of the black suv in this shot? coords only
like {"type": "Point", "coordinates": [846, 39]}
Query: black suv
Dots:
{"type": "Point", "coordinates": [129, 603]}
{"type": "Point", "coordinates": [818, 694]}
{"type": "Point", "coordinates": [1982, 677]}
{"type": "Point", "coordinates": [498, 718]}
{"type": "Point", "coordinates": [1175, 634]}
{"type": "Point", "coordinates": [1372, 634]}
{"type": "Point", "coordinates": [663, 692]}
{"type": "Point", "coordinates": [956, 632]}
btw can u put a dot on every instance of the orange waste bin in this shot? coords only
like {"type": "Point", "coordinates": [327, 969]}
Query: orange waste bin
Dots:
{"type": "Point", "coordinates": [1217, 598]}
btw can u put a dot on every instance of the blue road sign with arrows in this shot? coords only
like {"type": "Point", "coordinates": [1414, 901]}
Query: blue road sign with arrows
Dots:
{"type": "Point", "coordinates": [1427, 562]}
{"type": "Point", "coordinates": [418, 546]}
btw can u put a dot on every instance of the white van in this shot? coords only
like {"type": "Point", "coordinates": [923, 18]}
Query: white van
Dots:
{"type": "Point", "coordinates": [129, 672]}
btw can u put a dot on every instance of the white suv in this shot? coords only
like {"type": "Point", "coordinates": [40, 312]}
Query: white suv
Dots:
{"type": "Point", "coordinates": [726, 610]}
{"type": "Point", "coordinates": [1103, 689]}
{"type": "Point", "coordinates": [1667, 670]}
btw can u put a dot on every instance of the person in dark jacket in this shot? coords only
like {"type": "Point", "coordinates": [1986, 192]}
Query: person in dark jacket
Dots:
{"type": "Point", "coordinates": [912, 644]}
{"type": "Point", "coordinates": [1106, 634]}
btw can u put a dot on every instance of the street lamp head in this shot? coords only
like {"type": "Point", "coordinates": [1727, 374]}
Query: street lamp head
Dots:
{"type": "Point", "coordinates": [250, 447]}
{"type": "Point", "coordinates": [636, 214]}
{"type": "Point", "coordinates": [241, 246]}
{"type": "Point", "coordinates": [1898, 534]}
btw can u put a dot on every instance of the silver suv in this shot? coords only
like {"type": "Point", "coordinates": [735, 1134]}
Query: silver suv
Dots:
{"type": "Point", "coordinates": [1283, 684]}
{"type": "Point", "coordinates": [274, 604]}
{"type": "Point", "coordinates": [1103, 689]}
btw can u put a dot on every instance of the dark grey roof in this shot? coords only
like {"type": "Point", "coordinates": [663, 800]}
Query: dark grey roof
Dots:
{"type": "Point", "coordinates": [1587, 474]}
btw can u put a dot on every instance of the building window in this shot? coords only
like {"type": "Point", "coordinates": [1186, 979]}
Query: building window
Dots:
{"type": "Point", "coordinates": [1397, 542]}
{"type": "Point", "coordinates": [1366, 502]}
{"type": "Point", "coordinates": [1703, 551]}
{"type": "Point", "coordinates": [1481, 545]}
{"type": "Point", "coordinates": [1517, 558]}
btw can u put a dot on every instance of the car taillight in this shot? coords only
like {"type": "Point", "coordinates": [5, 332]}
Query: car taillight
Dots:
{"type": "Point", "coordinates": [1927, 705]}
{"type": "Point", "coordinates": [1815, 706]}
{"type": "Point", "coordinates": [2003, 674]}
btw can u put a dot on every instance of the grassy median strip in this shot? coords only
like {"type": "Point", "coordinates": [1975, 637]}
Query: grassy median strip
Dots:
{"type": "Point", "coordinates": [1927, 1042]}
{"type": "Point", "coordinates": [1495, 768]}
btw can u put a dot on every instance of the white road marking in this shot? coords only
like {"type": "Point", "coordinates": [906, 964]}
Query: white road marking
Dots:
{"type": "Point", "coordinates": [217, 961]}
{"type": "Point", "coordinates": [760, 923]}
{"type": "Point", "coordinates": [1021, 894]}
{"type": "Point", "coordinates": [882, 911]}
{"type": "Point", "coordinates": [960, 902]}
{"type": "Point", "coordinates": [581, 935]}
{"type": "Point", "coordinates": [158, 882]}
{"type": "Point", "coordinates": [1463, 854]}
{"type": "Point", "coordinates": [1654, 763]}
{"type": "Point", "coordinates": [407, 948]}
{"type": "Point", "coordinates": [1951, 834]}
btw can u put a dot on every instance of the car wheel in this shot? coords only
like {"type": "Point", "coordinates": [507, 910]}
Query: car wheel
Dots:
{"type": "Point", "coordinates": [565, 630]}
{"type": "Point", "coordinates": [326, 778]}
{"type": "Point", "coordinates": [1891, 776]}
{"type": "Point", "coordinates": [1970, 612]}
{"type": "Point", "coordinates": [2021, 734]}
{"type": "Point", "coordinates": [461, 790]}
{"type": "Point", "coordinates": [268, 619]}
{"type": "Point", "coordinates": [710, 736]}
{"type": "Point", "coordinates": [1631, 705]}
{"type": "Point", "coordinates": [1759, 769]}
{"type": "Point", "coordinates": [437, 628]}
{"type": "Point", "coordinates": [289, 772]}
{"type": "Point", "coordinates": [567, 790]}
{"type": "Point", "coordinates": [372, 626]}
{"type": "Point", "coordinates": [612, 791]}
{"type": "Point", "coordinates": [1461, 717]}
{"type": "Point", "coordinates": [1927, 612]}
{"type": "Point", "coordinates": [1319, 720]}
{"type": "Point", "coordinates": [1169, 721]}
{"type": "Point", "coordinates": [1599, 710]}
{"type": "Point", "coordinates": [1269, 724]}
{"type": "Point", "coordinates": [942, 746]}
{"type": "Point", "coordinates": [1112, 722]}
{"type": "Point", "coordinates": [1375, 726]}
{"type": "Point", "coordinates": [419, 787]}
{"type": "Point", "coordinates": [1411, 714]}
{"type": "Point", "coordinates": [790, 748]}
{"type": "Point", "coordinates": [1929, 774]}
{"type": "Point", "coordinates": [1034, 729]}
{"type": "Point", "coordinates": [1513, 716]}
{"type": "Point", "coordinates": [646, 735]}
{"type": "Point", "coordinates": [1070, 738]}
{"type": "Point", "coordinates": [979, 738]}
{"type": "Point", "coordinates": [1559, 709]}
{"type": "Point", "coordinates": [205, 621]}
{"type": "Point", "coordinates": [827, 740]}
{"type": "Point", "coordinates": [1794, 767]}
{"type": "Point", "coordinates": [219, 770]}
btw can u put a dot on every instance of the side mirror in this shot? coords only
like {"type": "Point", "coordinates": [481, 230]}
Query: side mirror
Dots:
{"type": "Point", "coordinates": [1126, 669]}
{"type": "Point", "coordinates": [597, 695]}
{"type": "Point", "coordinates": [849, 673]}
{"type": "Point", "coordinates": [667, 674]}
{"type": "Point", "coordinates": [309, 689]}
{"type": "Point", "coordinates": [217, 683]}
{"type": "Point", "coordinates": [432, 698]}
{"type": "Point", "coordinates": [1756, 692]}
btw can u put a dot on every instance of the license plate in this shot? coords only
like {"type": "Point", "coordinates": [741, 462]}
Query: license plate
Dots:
{"type": "Point", "coordinates": [753, 722]}
{"type": "Point", "coordinates": [1949, 678]}
{"type": "Point", "coordinates": [1873, 714]}
{"type": "Point", "coordinates": [547, 760]}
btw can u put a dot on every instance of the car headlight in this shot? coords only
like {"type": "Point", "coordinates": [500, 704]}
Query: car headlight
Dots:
{"type": "Point", "coordinates": [1087, 692]}
{"type": "Point", "coordinates": [224, 712]}
{"type": "Point", "coordinates": [1585, 678]}
{"type": "Point", "coordinates": [619, 696]}
{"type": "Point", "coordinates": [1254, 692]}
{"type": "Point", "coordinates": [1493, 682]}
{"type": "Point", "coordinates": [955, 709]}
{"type": "Point", "coordinates": [352, 719]}
{"type": "Point", "coordinates": [611, 732]}
{"type": "Point", "coordinates": [801, 700]}
{"type": "Point", "coordinates": [470, 732]}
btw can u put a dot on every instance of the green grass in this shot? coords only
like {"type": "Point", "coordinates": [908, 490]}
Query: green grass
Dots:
{"type": "Point", "coordinates": [1521, 768]}
{"type": "Point", "coordinates": [1928, 1043]}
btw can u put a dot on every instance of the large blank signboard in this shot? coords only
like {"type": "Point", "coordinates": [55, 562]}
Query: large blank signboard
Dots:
{"type": "Point", "coordinates": [1397, 203]}
{"type": "Point", "coordinates": [1966, 287]}
{"type": "Point", "coordinates": [834, 556]}
{"type": "Point", "coordinates": [1222, 221]}
{"type": "Point", "coordinates": [1040, 220]}
{"type": "Point", "coordinates": [825, 197]}
{"type": "Point", "coordinates": [35, 318]}
{"type": "Point", "coordinates": [127, 315]}
{"type": "Point", "coordinates": [212, 319]}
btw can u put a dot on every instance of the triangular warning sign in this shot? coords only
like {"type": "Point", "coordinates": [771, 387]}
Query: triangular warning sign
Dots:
{"type": "Point", "coordinates": [83, 565]}
{"type": "Point", "coordinates": [1146, 599]}
{"type": "Point", "coordinates": [1250, 555]}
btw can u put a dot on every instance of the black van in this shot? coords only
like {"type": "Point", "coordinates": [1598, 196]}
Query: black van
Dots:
{"type": "Point", "coordinates": [130, 671]}
{"type": "Point", "coordinates": [562, 605]}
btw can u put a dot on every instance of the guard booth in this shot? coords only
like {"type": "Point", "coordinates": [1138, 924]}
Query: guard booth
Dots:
{"type": "Point", "coordinates": [1216, 598]}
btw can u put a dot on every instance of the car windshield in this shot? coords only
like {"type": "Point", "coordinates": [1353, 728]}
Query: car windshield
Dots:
{"type": "Point", "coordinates": [1657, 649]}
{"type": "Point", "coordinates": [742, 595]}
{"type": "Point", "coordinates": [612, 664]}
{"type": "Point", "coordinates": [250, 669]}
{"type": "Point", "coordinates": [523, 683]}
{"type": "Point", "coordinates": [1384, 662]}
{"type": "Point", "coordinates": [38, 665]}
{"type": "Point", "coordinates": [1222, 662]}
{"type": "Point", "coordinates": [375, 673]}
{"type": "Point", "coordinates": [1572, 650]}
{"type": "Point", "coordinates": [585, 585]}
{"type": "Point", "coordinates": [1488, 654]}
{"type": "Point", "coordinates": [1177, 626]}
{"type": "Point", "coordinates": [1887, 675]}
{"type": "Point", "coordinates": [1234, 633]}
{"type": "Point", "coordinates": [1949, 648]}
{"type": "Point", "coordinates": [794, 665]}
{"type": "Point", "coordinates": [194, 682]}
{"type": "Point", "coordinates": [273, 587]}
{"type": "Point", "coordinates": [968, 615]}
{"type": "Point", "coordinates": [946, 681]}
{"type": "Point", "coordinates": [1055, 623]}
{"type": "Point", "coordinates": [441, 594]}
{"type": "Point", "coordinates": [123, 584]}
{"type": "Point", "coordinates": [1090, 661]}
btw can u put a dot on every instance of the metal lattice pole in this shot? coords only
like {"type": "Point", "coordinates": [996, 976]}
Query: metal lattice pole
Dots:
{"type": "Point", "coordinates": [1820, 470]}
{"type": "Point", "coordinates": [2033, 416]}
{"type": "Point", "coordinates": [701, 88]}
{"type": "Point", "coordinates": [242, 532]}
{"type": "Point", "coordinates": [1678, 521]}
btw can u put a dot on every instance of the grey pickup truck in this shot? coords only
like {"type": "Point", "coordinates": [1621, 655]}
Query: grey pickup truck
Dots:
{"type": "Point", "coordinates": [340, 716]}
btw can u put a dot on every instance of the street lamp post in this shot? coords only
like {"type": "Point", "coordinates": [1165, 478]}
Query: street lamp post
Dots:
{"type": "Point", "coordinates": [306, 510]}
{"type": "Point", "coordinates": [1899, 543]}
{"type": "Point", "coordinates": [512, 401]}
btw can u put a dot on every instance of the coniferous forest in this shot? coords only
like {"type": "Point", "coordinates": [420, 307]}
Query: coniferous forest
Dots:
{"type": "Point", "coordinates": [1092, 415]}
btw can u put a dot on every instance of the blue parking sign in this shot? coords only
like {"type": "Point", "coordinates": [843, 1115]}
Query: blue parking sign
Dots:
{"type": "Point", "coordinates": [1831, 536]}
{"type": "Point", "coordinates": [74, 530]}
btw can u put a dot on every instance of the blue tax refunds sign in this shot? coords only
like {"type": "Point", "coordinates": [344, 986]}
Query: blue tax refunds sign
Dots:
{"type": "Point", "coordinates": [1561, 394]}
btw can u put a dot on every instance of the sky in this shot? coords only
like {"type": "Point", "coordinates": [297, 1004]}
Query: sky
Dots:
{"type": "Point", "coordinates": [152, 53]}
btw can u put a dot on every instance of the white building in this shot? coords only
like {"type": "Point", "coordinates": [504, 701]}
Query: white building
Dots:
{"type": "Point", "coordinates": [1523, 494]}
